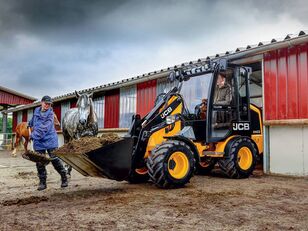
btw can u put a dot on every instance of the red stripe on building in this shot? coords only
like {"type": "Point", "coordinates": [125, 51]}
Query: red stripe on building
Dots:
{"type": "Point", "coordinates": [303, 80]}
{"type": "Point", "coordinates": [286, 83]}
{"type": "Point", "coordinates": [146, 94]}
{"type": "Point", "coordinates": [282, 83]}
{"type": "Point", "coordinates": [7, 98]}
{"type": "Point", "coordinates": [14, 121]}
{"type": "Point", "coordinates": [57, 111]}
{"type": "Point", "coordinates": [112, 109]}
{"type": "Point", "coordinates": [73, 103]}
{"type": "Point", "coordinates": [24, 116]}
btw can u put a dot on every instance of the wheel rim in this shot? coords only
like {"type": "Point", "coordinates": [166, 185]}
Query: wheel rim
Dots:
{"type": "Point", "coordinates": [178, 165]}
{"type": "Point", "coordinates": [244, 158]}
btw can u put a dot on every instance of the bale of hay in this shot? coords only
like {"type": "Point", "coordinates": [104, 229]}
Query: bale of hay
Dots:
{"type": "Point", "coordinates": [87, 144]}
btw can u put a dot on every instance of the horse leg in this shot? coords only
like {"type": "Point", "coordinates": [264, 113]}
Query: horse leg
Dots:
{"type": "Point", "coordinates": [17, 140]}
{"type": "Point", "coordinates": [26, 144]}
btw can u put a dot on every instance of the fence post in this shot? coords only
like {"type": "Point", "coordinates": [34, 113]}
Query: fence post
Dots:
{"type": "Point", "coordinates": [4, 124]}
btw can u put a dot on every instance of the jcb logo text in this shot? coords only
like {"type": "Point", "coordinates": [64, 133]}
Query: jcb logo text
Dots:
{"type": "Point", "coordinates": [166, 112]}
{"type": "Point", "coordinates": [241, 127]}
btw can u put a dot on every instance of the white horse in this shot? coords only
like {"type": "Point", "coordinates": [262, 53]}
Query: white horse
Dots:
{"type": "Point", "coordinates": [81, 121]}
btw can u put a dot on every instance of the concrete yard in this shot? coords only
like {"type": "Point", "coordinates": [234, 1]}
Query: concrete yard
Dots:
{"type": "Point", "coordinates": [207, 203]}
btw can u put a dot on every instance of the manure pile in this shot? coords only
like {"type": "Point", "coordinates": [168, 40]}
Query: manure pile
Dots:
{"type": "Point", "coordinates": [86, 144]}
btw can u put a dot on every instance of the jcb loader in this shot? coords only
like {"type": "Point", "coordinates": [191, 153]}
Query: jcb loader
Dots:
{"type": "Point", "coordinates": [170, 143]}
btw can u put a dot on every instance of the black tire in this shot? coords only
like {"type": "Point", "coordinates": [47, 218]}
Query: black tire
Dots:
{"type": "Point", "coordinates": [136, 178]}
{"type": "Point", "coordinates": [161, 164]}
{"type": "Point", "coordinates": [231, 165]}
{"type": "Point", "coordinates": [205, 166]}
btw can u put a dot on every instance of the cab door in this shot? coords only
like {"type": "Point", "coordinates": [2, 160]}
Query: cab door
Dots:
{"type": "Point", "coordinates": [228, 107]}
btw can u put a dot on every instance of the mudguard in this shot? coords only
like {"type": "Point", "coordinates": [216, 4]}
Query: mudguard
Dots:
{"type": "Point", "coordinates": [188, 142]}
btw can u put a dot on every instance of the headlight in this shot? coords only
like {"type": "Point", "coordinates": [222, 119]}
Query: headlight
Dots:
{"type": "Point", "coordinates": [170, 119]}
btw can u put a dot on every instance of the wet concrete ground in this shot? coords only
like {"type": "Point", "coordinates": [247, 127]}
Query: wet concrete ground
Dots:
{"type": "Point", "coordinates": [207, 203]}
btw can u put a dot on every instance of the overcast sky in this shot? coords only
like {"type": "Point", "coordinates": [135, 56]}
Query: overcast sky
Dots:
{"type": "Point", "coordinates": [56, 46]}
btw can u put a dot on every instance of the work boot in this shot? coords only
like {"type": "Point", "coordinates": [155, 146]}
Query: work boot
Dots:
{"type": "Point", "coordinates": [42, 185]}
{"type": "Point", "coordinates": [64, 182]}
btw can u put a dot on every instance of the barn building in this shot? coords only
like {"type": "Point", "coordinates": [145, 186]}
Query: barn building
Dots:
{"type": "Point", "coordinates": [279, 87]}
{"type": "Point", "coordinates": [8, 99]}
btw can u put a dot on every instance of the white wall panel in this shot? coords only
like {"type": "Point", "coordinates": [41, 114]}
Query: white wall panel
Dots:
{"type": "Point", "coordinates": [98, 104]}
{"type": "Point", "coordinates": [127, 105]}
{"type": "Point", "coordinates": [288, 151]}
{"type": "Point", "coordinates": [19, 117]}
{"type": "Point", "coordinates": [29, 114]}
{"type": "Point", "coordinates": [65, 106]}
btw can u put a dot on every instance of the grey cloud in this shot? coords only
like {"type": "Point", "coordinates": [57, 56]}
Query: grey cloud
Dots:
{"type": "Point", "coordinates": [69, 44]}
{"type": "Point", "coordinates": [38, 77]}
{"type": "Point", "coordinates": [96, 22]}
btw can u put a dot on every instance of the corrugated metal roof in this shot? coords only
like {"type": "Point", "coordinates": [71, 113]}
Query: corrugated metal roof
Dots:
{"type": "Point", "coordinates": [9, 98]}
{"type": "Point", "coordinates": [234, 54]}
{"type": "Point", "coordinates": [10, 91]}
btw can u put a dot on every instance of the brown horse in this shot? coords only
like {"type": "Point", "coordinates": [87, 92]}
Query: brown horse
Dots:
{"type": "Point", "coordinates": [23, 131]}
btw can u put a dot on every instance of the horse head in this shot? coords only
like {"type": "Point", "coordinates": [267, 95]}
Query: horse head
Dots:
{"type": "Point", "coordinates": [84, 107]}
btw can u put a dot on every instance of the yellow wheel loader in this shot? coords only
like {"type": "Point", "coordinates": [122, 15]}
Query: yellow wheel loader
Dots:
{"type": "Point", "coordinates": [170, 144]}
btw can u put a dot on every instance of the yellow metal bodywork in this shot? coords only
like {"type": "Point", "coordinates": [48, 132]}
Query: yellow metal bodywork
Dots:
{"type": "Point", "coordinates": [220, 146]}
{"type": "Point", "coordinates": [201, 147]}
{"type": "Point", "coordinates": [258, 138]}
{"type": "Point", "coordinates": [178, 165]}
{"type": "Point", "coordinates": [158, 136]}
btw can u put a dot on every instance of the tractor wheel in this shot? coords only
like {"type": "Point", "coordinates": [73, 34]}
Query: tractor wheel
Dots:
{"type": "Point", "coordinates": [240, 158]}
{"type": "Point", "coordinates": [137, 176]}
{"type": "Point", "coordinates": [171, 164]}
{"type": "Point", "coordinates": [205, 166]}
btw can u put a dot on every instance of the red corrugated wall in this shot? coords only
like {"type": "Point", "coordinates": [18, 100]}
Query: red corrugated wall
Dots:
{"type": "Point", "coordinates": [57, 111]}
{"type": "Point", "coordinates": [73, 103]}
{"type": "Point", "coordinates": [24, 116]}
{"type": "Point", "coordinates": [112, 109]}
{"type": "Point", "coordinates": [146, 94]}
{"type": "Point", "coordinates": [286, 83]}
{"type": "Point", "coordinates": [8, 98]}
{"type": "Point", "coordinates": [14, 121]}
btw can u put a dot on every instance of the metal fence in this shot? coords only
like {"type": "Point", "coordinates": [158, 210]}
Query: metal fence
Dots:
{"type": "Point", "coordinates": [6, 140]}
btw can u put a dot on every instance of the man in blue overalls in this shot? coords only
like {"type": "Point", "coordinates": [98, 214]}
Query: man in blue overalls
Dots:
{"type": "Point", "coordinates": [45, 139]}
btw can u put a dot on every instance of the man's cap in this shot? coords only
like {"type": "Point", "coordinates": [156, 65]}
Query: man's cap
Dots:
{"type": "Point", "coordinates": [46, 99]}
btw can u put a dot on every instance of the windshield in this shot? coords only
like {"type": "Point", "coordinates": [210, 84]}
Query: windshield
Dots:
{"type": "Point", "coordinates": [196, 89]}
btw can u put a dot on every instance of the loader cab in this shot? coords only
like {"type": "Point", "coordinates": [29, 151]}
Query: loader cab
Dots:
{"type": "Point", "coordinates": [228, 104]}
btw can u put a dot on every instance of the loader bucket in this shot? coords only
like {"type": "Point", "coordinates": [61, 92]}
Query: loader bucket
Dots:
{"type": "Point", "coordinates": [112, 161]}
